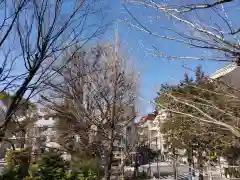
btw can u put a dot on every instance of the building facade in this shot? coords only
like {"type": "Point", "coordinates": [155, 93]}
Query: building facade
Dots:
{"type": "Point", "coordinates": [149, 130]}
{"type": "Point", "coordinates": [37, 130]}
{"type": "Point", "coordinates": [229, 74]}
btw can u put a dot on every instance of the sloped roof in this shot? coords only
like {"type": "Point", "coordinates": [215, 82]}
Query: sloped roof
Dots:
{"type": "Point", "coordinates": [223, 71]}
{"type": "Point", "coordinates": [146, 118]}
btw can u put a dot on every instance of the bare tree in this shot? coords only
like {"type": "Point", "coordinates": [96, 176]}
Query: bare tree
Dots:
{"type": "Point", "coordinates": [44, 29]}
{"type": "Point", "coordinates": [99, 93]}
{"type": "Point", "coordinates": [208, 95]}
{"type": "Point", "coordinates": [10, 11]}
{"type": "Point", "coordinates": [213, 104]}
{"type": "Point", "coordinates": [209, 27]}
{"type": "Point", "coordinates": [23, 118]}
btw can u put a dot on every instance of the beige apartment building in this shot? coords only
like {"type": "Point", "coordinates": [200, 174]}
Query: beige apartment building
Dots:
{"type": "Point", "coordinates": [149, 130]}
{"type": "Point", "coordinates": [230, 74]}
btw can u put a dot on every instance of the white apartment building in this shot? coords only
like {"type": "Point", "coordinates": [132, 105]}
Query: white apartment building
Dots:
{"type": "Point", "coordinates": [230, 74]}
{"type": "Point", "coordinates": [39, 132]}
{"type": "Point", "coordinates": [149, 130]}
{"type": "Point", "coordinates": [127, 141]}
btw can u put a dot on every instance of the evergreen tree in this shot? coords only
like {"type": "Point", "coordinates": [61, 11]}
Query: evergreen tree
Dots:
{"type": "Point", "coordinates": [187, 104]}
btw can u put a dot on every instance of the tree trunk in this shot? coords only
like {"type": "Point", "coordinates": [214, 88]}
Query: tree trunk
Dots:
{"type": "Point", "coordinates": [174, 169]}
{"type": "Point", "coordinates": [109, 160]}
{"type": "Point", "coordinates": [200, 163]}
{"type": "Point", "coordinates": [136, 165]}
{"type": "Point", "coordinates": [189, 152]}
{"type": "Point", "coordinates": [193, 165]}
{"type": "Point", "coordinates": [108, 172]}
{"type": "Point", "coordinates": [175, 165]}
{"type": "Point", "coordinates": [149, 173]}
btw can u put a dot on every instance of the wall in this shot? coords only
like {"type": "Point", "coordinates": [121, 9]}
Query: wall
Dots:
{"type": "Point", "coordinates": [232, 78]}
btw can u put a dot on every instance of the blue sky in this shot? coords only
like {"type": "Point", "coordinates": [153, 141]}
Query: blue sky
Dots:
{"type": "Point", "coordinates": [153, 70]}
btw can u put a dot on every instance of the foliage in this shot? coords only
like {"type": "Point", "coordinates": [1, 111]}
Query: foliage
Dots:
{"type": "Point", "coordinates": [189, 101]}
{"type": "Point", "coordinates": [33, 169]}
{"type": "Point", "coordinates": [16, 164]}
{"type": "Point", "coordinates": [14, 173]}
{"type": "Point", "coordinates": [84, 163]}
{"type": "Point", "coordinates": [91, 175]}
{"type": "Point", "coordinates": [24, 104]}
{"type": "Point", "coordinates": [52, 166]}
{"type": "Point", "coordinates": [98, 95]}
{"type": "Point", "coordinates": [232, 155]}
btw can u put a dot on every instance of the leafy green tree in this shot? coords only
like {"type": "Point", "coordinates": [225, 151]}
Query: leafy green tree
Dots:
{"type": "Point", "coordinates": [16, 165]}
{"type": "Point", "coordinates": [52, 166]}
{"type": "Point", "coordinates": [200, 112]}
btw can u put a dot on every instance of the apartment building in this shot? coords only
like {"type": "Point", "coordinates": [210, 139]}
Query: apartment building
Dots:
{"type": "Point", "coordinates": [229, 74]}
{"type": "Point", "coordinates": [38, 131]}
{"type": "Point", "coordinates": [125, 143]}
{"type": "Point", "coordinates": [149, 130]}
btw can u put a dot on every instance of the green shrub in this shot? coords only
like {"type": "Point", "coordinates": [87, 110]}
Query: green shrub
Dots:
{"type": "Point", "coordinates": [16, 157]}
{"type": "Point", "coordinates": [16, 165]}
{"type": "Point", "coordinates": [85, 163]}
{"type": "Point", "coordinates": [33, 169]}
{"type": "Point", "coordinates": [52, 166]}
{"type": "Point", "coordinates": [91, 175]}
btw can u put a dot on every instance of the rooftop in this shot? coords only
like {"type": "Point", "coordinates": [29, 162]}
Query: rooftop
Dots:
{"type": "Point", "coordinates": [223, 71]}
{"type": "Point", "coordinates": [146, 118]}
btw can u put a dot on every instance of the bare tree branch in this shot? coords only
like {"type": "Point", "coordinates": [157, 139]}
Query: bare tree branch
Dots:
{"type": "Point", "coordinates": [54, 34]}
{"type": "Point", "coordinates": [100, 96]}
{"type": "Point", "coordinates": [194, 32]}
